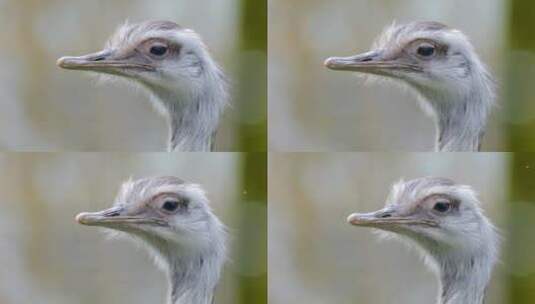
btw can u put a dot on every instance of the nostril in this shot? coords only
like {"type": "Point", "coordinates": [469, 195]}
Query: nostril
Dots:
{"type": "Point", "coordinates": [366, 59]}
{"type": "Point", "coordinates": [113, 213]}
{"type": "Point", "coordinates": [386, 215]}
{"type": "Point", "coordinates": [99, 58]}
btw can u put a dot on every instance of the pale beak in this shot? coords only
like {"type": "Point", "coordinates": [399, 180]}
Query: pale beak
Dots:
{"type": "Point", "coordinates": [386, 219]}
{"type": "Point", "coordinates": [115, 216]}
{"type": "Point", "coordinates": [372, 62]}
{"type": "Point", "coordinates": [103, 61]}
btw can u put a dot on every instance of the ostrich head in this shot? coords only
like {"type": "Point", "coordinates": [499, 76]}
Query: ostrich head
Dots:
{"type": "Point", "coordinates": [174, 221]}
{"type": "Point", "coordinates": [443, 219]}
{"type": "Point", "coordinates": [441, 64]}
{"type": "Point", "coordinates": [172, 62]}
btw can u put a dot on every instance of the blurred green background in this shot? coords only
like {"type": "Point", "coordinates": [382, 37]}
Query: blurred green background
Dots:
{"type": "Point", "coordinates": [45, 108]}
{"type": "Point", "coordinates": [46, 257]}
{"type": "Point", "coordinates": [314, 109]}
{"type": "Point", "coordinates": [520, 107]}
{"type": "Point", "coordinates": [520, 252]}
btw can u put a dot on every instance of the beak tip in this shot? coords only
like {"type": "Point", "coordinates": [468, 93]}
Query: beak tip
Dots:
{"type": "Point", "coordinates": [328, 63]}
{"type": "Point", "coordinates": [80, 218]}
{"type": "Point", "coordinates": [62, 62]}
{"type": "Point", "coordinates": [351, 219]}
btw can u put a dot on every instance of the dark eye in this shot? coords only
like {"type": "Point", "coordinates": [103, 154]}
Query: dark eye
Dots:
{"type": "Point", "coordinates": [170, 205]}
{"type": "Point", "coordinates": [442, 207]}
{"type": "Point", "coordinates": [426, 50]}
{"type": "Point", "coordinates": [158, 50]}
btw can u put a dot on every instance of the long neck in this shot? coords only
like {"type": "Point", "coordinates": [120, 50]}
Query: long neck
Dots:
{"type": "Point", "coordinates": [193, 279]}
{"type": "Point", "coordinates": [192, 275]}
{"type": "Point", "coordinates": [463, 274]}
{"type": "Point", "coordinates": [465, 282]}
{"type": "Point", "coordinates": [460, 127]}
{"type": "Point", "coordinates": [188, 284]}
{"type": "Point", "coordinates": [460, 124]}
{"type": "Point", "coordinates": [461, 117]}
{"type": "Point", "coordinates": [193, 118]}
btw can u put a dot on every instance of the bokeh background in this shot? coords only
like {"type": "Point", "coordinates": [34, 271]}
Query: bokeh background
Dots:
{"type": "Point", "coordinates": [315, 257]}
{"type": "Point", "coordinates": [314, 109]}
{"type": "Point", "coordinates": [45, 108]}
{"type": "Point", "coordinates": [46, 257]}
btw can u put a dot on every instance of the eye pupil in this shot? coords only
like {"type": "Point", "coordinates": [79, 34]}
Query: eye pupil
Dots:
{"type": "Point", "coordinates": [170, 205]}
{"type": "Point", "coordinates": [442, 207]}
{"type": "Point", "coordinates": [426, 51]}
{"type": "Point", "coordinates": [158, 50]}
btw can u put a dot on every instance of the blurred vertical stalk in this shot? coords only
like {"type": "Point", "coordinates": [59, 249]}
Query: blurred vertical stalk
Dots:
{"type": "Point", "coordinates": [519, 89]}
{"type": "Point", "coordinates": [519, 99]}
{"type": "Point", "coordinates": [518, 244]}
{"type": "Point", "coordinates": [252, 250]}
{"type": "Point", "coordinates": [252, 90]}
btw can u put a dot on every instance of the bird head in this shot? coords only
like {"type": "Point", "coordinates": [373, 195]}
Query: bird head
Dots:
{"type": "Point", "coordinates": [161, 55]}
{"type": "Point", "coordinates": [172, 216]}
{"type": "Point", "coordinates": [429, 56]}
{"type": "Point", "coordinates": [440, 216]}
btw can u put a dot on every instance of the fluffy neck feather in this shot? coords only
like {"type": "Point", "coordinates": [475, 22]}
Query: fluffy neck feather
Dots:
{"type": "Point", "coordinates": [460, 117]}
{"type": "Point", "coordinates": [463, 273]}
{"type": "Point", "coordinates": [191, 279]}
{"type": "Point", "coordinates": [463, 279]}
{"type": "Point", "coordinates": [192, 275]}
{"type": "Point", "coordinates": [193, 117]}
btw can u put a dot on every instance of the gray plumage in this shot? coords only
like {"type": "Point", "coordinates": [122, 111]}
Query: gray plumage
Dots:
{"type": "Point", "coordinates": [441, 65]}
{"type": "Point", "coordinates": [172, 63]}
{"type": "Point", "coordinates": [173, 220]}
{"type": "Point", "coordinates": [444, 222]}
